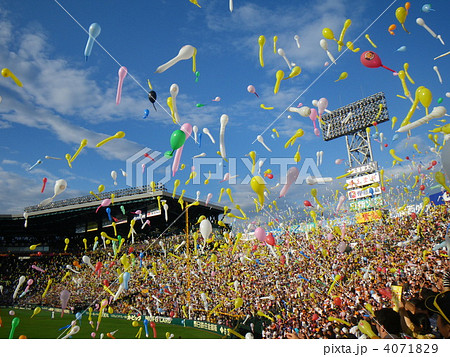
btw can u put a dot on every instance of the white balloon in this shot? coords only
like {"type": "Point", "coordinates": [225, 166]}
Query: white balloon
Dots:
{"type": "Point", "coordinates": [205, 228]}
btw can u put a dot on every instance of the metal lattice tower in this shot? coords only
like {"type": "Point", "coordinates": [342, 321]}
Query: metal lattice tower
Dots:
{"type": "Point", "coordinates": [358, 148]}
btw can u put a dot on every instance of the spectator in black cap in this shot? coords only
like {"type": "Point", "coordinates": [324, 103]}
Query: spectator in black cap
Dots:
{"type": "Point", "coordinates": [440, 304]}
{"type": "Point", "coordinates": [388, 323]}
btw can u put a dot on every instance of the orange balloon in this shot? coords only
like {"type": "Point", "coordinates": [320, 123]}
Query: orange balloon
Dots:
{"type": "Point", "coordinates": [407, 6]}
{"type": "Point", "coordinates": [23, 337]}
{"type": "Point", "coordinates": [392, 28]}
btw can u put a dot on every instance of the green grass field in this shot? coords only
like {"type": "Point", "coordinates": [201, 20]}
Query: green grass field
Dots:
{"type": "Point", "coordinates": [42, 326]}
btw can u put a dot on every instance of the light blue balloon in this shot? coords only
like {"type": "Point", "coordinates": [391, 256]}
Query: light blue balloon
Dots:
{"type": "Point", "coordinates": [94, 31]}
{"type": "Point", "coordinates": [78, 315]}
{"type": "Point", "coordinates": [126, 279]}
{"type": "Point", "coordinates": [427, 8]}
{"type": "Point", "coordinates": [401, 49]}
{"type": "Point", "coordinates": [146, 113]}
{"type": "Point", "coordinates": [395, 137]}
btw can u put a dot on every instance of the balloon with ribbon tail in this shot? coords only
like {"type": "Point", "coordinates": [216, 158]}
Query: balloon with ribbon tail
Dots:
{"type": "Point", "coordinates": [122, 74]}
{"type": "Point", "coordinates": [152, 98]}
{"type": "Point", "coordinates": [94, 31]}
{"type": "Point", "coordinates": [391, 29]}
{"type": "Point", "coordinates": [371, 60]}
{"type": "Point", "coordinates": [186, 52]}
{"type": "Point", "coordinates": [401, 14]}
{"type": "Point", "coordinates": [177, 140]}
{"type": "Point", "coordinates": [251, 89]}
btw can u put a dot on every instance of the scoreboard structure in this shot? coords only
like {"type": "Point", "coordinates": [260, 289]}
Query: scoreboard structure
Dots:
{"type": "Point", "coordinates": [352, 122]}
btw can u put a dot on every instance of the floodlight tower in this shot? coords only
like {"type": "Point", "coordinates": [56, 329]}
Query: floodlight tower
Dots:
{"type": "Point", "coordinates": [352, 122]}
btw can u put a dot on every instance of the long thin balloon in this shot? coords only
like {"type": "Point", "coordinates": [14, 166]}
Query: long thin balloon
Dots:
{"type": "Point", "coordinates": [122, 73]}
{"type": "Point", "coordinates": [437, 112]}
{"type": "Point", "coordinates": [7, 73]}
{"type": "Point", "coordinates": [118, 135]}
{"type": "Point", "coordinates": [223, 123]}
{"type": "Point", "coordinates": [185, 53]}
{"type": "Point", "coordinates": [94, 31]}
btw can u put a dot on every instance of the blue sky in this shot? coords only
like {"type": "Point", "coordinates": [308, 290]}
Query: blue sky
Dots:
{"type": "Point", "coordinates": [65, 99]}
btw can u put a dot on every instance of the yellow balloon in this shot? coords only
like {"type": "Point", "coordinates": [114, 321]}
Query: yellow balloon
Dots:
{"type": "Point", "coordinates": [238, 303]}
{"type": "Point", "coordinates": [258, 186]}
{"type": "Point", "coordinates": [440, 179]}
{"type": "Point", "coordinates": [175, 185]}
{"type": "Point", "coordinates": [366, 329]}
{"type": "Point", "coordinates": [425, 98]}
{"type": "Point", "coordinates": [36, 311]}
{"type": "Point", "coordinates": [135, 324]}
{"type": "Point", "coordinates": [261, 42]}
{"type": "Point", "coordinates": [426, 201]}
{"type": "Point", "coordinates": [101, 188]}
{"type": "Point", "coordinates": [110, 310]}
{"type": "Point", "coordinates": [342, 76]}
{"type": "Point", "coordinates": [400, 14]}
{"type": "Point", "coordinates": [279, 76]}
{"type": "Point", "coordinates": [328, 34]}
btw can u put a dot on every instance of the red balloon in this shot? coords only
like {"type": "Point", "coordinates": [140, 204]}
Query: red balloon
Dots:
{"type": "Point", "coordinates": [407, 158]}
{"type": "Point", "coordinates": [434, 163]}
{"type": "Point", "coordinates": [385, 145]}
{"type": "Point", "coordinates": [130, 250]}
{"type": "Point", "coordinates": [152, 324]}
{"type": "Point", "coordinates": [337, 301]}
{"type": "Point", "coordinates": [106, 282]}
{"type": "Point", "coordinates": [307, 203]}
{"type": "Point", "coordinates": [371, 60]}
{"type": "Point", "coordinates": [422, 187]}
{"type": "Point", "coordinates": [270, 176]}
{"type": "Point", "coordinates": [39, 254]}
{"type": "Point", "coordinates": [315, 317]}
{"type": "Point", "coordinates": [283, 259]}
{"type": "Point", "coordinates": [413, 215]}
{"type": "Point", "coordinates": [383, 188]}
{"type": "Point", "coordinates": [171, 314]}
{"type": "Point", "coordinates": [270, 239]}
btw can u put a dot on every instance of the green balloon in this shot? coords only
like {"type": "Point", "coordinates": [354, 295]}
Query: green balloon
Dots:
{"type": "Point", "coordinates": [177, 139]}
{"type": "Point", "coordinates": [14, 323]}
{"type": "Point", "coordinates": [440, 100]}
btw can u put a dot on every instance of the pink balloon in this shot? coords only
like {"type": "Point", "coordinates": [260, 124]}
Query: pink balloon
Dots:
{"type": "Point", "coordinates": [208, 198]}
{"type": "Point", "coordinates": [291, 176]}
{"type": "Point", "coordinates": [64, 296]}
{"type": "Point", "coordinates": [317, 131]}
{"type": "Point", "coordinates": [330, 236]}
{"type": "Point", "coordinates": [187, 128]}
{"type": "Point", "coordinates": [106, 202]}
{"type": "Point", "coordinates": [93, 334]}
{"type": "Point", "coordinates": [122, 73]}
{"type": "Point", "coordinates": [251, 89]}
{"type": "Point", "coordinates": [371, 60]}
{"type": "Point", "coordinates": [338, 161]}
{"type": "Point", "coordinates": [260, 234]}
{"type": "Point", "coordinates": [341, 201]}
{"type": "Point", "coordinates": [37, 268]}
{"type": "Point", "coordinates": [313, 114]}
{"type": "Point", "coordinates": [270, 239]}
{"type": "Point", "coordinates": [322, 105]}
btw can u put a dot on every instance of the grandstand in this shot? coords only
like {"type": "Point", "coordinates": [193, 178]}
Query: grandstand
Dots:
{"type": "Point", "coordinates": [76, 218]}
